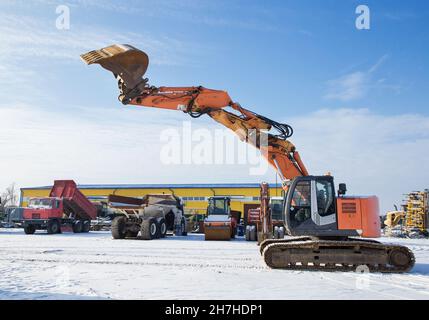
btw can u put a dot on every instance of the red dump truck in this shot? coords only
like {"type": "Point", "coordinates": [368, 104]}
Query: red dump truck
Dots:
{"type": "Point", "coordinates": [65, 206]}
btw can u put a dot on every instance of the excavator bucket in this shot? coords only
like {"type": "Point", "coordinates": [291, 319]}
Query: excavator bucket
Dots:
{"type": "Point", "coordinates": [217, 230]}
{"type": "Point", "coordinates": [124, 61]}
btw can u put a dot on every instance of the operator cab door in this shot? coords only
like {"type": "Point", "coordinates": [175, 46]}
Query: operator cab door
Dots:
{"type": "Point", "coordinates": [310, 207]}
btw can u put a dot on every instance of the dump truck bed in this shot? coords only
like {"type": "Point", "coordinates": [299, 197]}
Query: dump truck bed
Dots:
{"type": "Point", "coordinates": [74, 200]}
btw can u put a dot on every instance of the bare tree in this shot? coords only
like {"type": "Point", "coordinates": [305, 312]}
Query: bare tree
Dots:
{"type": "Point", "coordinates": [9, 197]}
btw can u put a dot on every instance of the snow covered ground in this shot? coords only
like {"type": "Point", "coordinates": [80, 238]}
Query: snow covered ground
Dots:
{"type": "Point", "coordinates": [93, 266]}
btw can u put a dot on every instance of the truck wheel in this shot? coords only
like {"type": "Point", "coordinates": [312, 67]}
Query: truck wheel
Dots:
{"type": "Point", "coordinates": [77, 226]}
{"type": "Point", "coordinates": [29, 229]}
{"type": "Point", "coordinates": [118, 228]}
{"type": "Point", "coordinates": [149, 229]}
{"type": "Point", "coordinates": [162, 228]}
{"type": "Point", "coordinates": [53, 227]}
{"type": "Point", "coordinates": [86, 226]}
{"type": "Point", "coordinates": [158, 229]}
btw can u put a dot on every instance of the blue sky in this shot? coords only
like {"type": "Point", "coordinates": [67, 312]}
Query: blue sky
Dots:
{"type": "Point", "coordinates": [302, 62]}
{"type": "Point", "coordinates": [305, 50]}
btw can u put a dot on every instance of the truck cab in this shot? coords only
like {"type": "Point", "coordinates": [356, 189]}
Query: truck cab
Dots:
{"type": "Point", "coordinates": [43, 213]}
{"type": "Point", "coordinates": [44, 208]}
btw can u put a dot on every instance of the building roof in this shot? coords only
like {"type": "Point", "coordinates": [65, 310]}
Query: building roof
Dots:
{"type": "Point", "coordinates": [161, 186]}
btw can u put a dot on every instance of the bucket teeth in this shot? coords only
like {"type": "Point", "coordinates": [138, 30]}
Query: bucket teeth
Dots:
{"type": "Point", "coordinates": [95, 56]}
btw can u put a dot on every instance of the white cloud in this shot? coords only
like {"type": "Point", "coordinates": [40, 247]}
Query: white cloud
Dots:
{"type": "Point", "coordinates": [37, 145]}
{"type": "Point", "coordinates": [176, 11]}
{"type": "Point", "coordinates": [358, 84]}
{"type": "Point", "coordinates": [378, 63]}
{"type": "Point", "coordinates": [373, 154]}
{"type": "Point", "coordinates": [27, 37]}
{"type": "Point", "coordinates": [29, 44]}
{"type": "Point", "coordinates": [97, 146]}
{"type": "Point", "coordinates": [349, 87]}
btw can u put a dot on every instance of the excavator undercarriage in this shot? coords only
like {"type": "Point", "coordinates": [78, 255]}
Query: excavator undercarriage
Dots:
{"type": "Point", "coordinates": [307, 253]}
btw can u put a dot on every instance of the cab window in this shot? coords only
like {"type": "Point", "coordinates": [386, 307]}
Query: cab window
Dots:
{"type": "Point", "coordinates": [325, 198]}
{"type": "Point", "coordinates": [300, 209]}
{"type": "Point", "coordinates": [301, 194]}
{"type": "Point", "coordinates": [218, 206]}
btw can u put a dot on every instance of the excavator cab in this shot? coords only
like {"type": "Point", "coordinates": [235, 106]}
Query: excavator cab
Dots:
{"type": "Point", "coordinates": [310, 207]}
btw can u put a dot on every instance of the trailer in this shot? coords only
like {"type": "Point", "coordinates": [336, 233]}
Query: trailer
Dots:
{"type": "Point", "coordinates": [65, 206]}
{"type": "Point", "coordinates": [13, 216]}
{"type": "Point", "coordinates": [153, 216]}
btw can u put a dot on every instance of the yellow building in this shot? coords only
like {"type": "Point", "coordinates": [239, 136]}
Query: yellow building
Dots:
{"type": "Point", "coordinates": [243, 195]}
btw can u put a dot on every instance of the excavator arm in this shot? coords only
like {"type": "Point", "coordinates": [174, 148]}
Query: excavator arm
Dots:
{"type": "Point", "coordinates": [129, 64]}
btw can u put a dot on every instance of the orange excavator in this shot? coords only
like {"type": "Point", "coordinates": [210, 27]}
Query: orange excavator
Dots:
{"type": "Point", "coordinates": [328, 229]}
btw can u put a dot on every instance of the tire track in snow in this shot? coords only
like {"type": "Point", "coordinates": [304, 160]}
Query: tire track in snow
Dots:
{"type": "Point", "coordinates": [142, 263]}
{"type": "Point", "coordinates": [172, 255]}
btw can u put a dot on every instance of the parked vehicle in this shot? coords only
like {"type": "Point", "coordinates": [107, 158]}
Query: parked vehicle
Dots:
{"type": "Point", "coordinates": [13, 216]}
{"type": "Point", "coordinates": [221, 221]}
{"type": "Point", "coordinates": [254, 221]}
{"type": "Point", "coordinates": [153, 216]}
{"type": "Point", "coordinates": [65, 206]}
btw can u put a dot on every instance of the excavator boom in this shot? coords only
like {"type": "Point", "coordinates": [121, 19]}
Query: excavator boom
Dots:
{"type": "Point", "coordinates": [129, 64]}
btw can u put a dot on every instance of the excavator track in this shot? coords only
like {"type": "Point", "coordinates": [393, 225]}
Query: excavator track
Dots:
{"type": "Point", "coordinates": [267, 242]}
{"type": "Point", "coordinates": [330, 255]}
